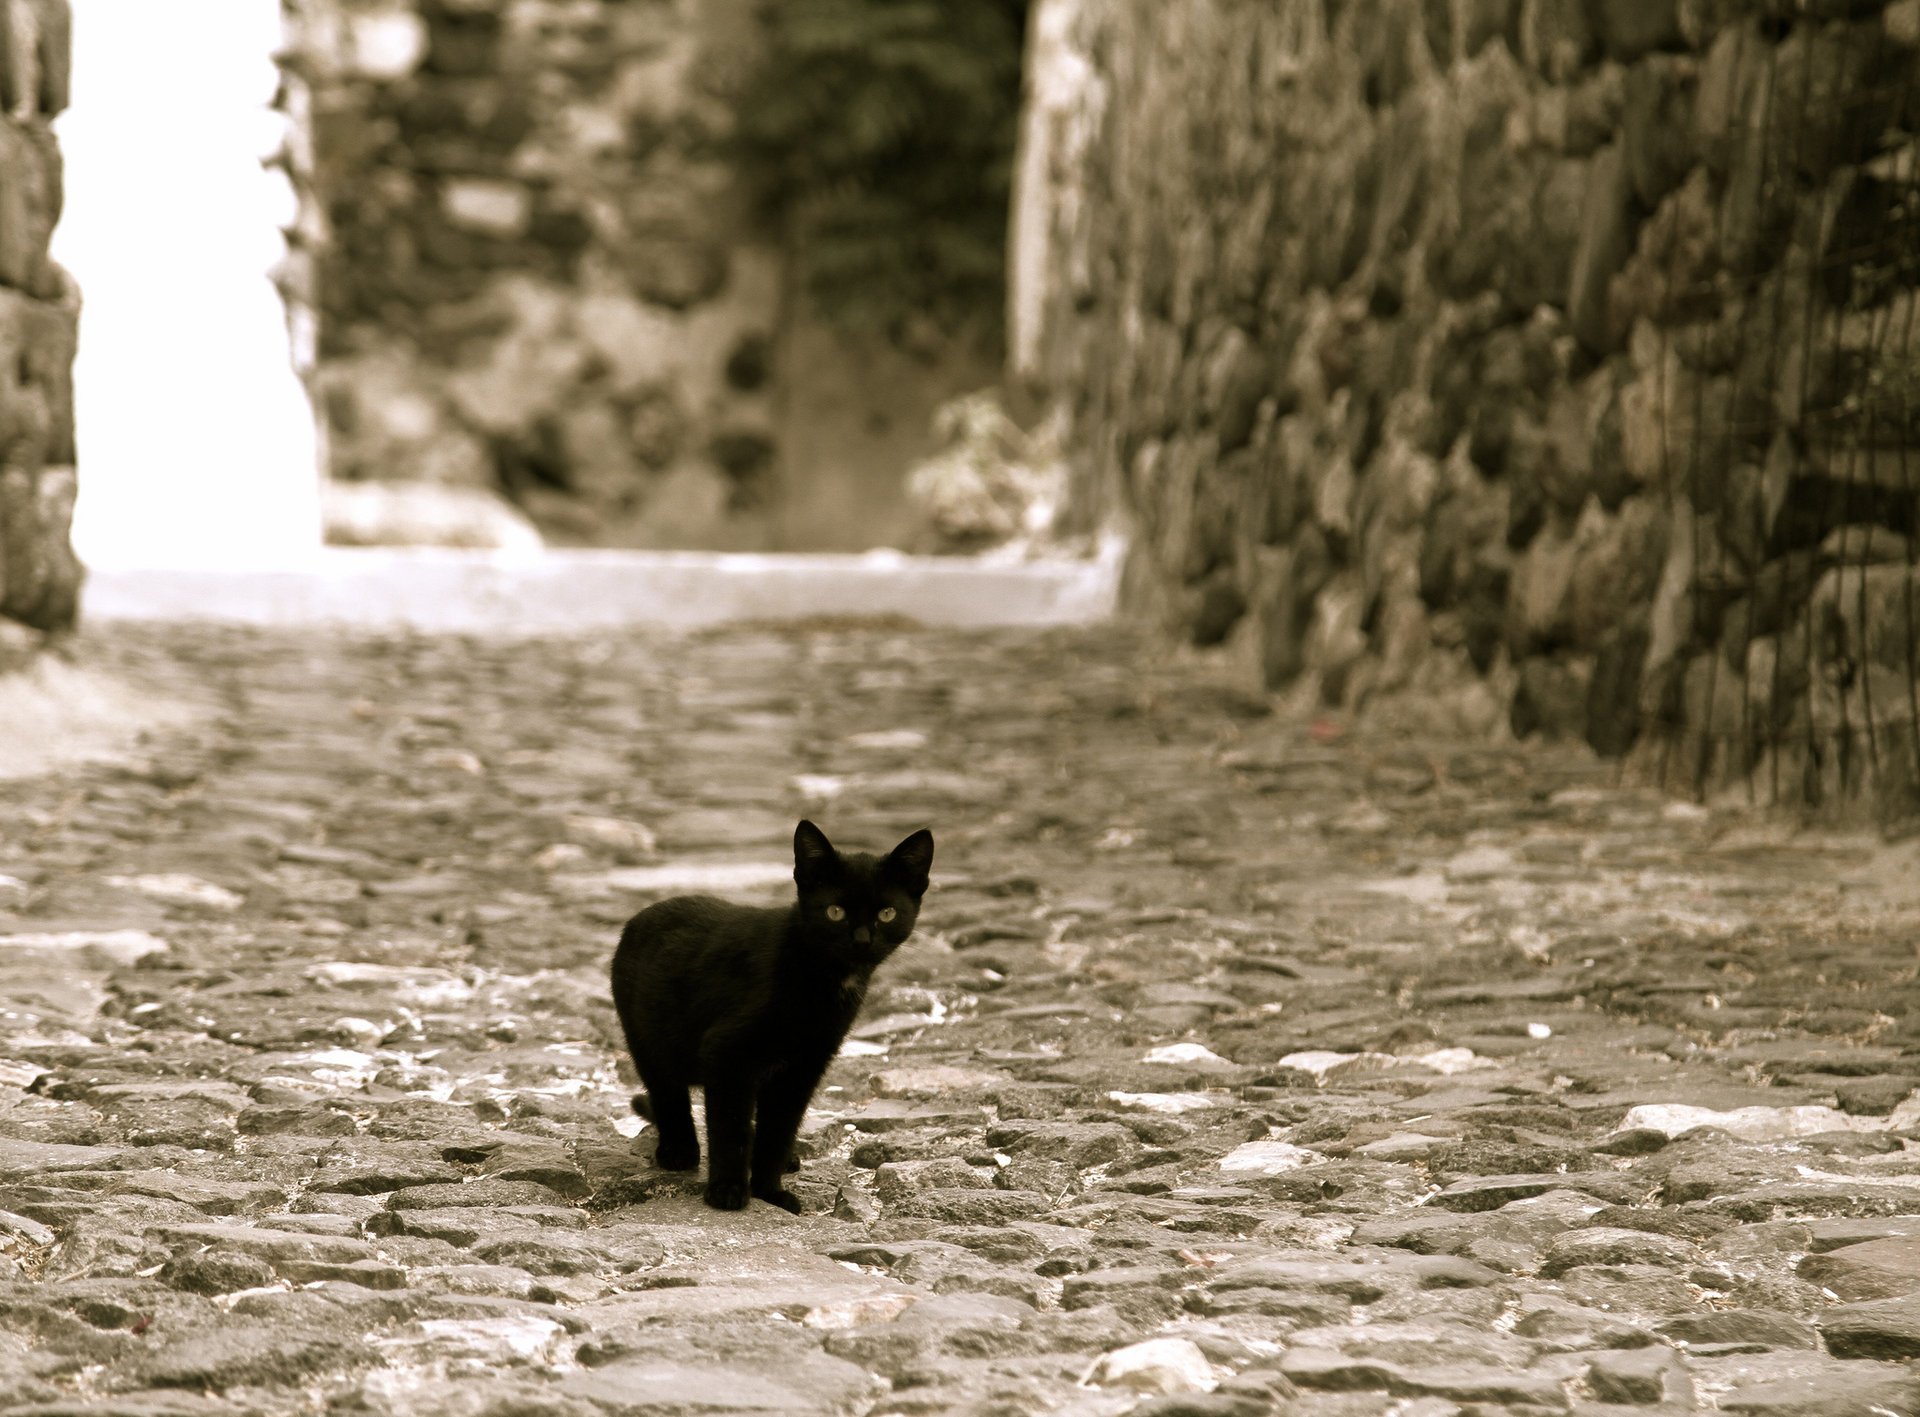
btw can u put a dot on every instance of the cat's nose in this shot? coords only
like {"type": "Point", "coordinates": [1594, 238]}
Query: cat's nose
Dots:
{"type": "Point", "coordinates": [862, 935]}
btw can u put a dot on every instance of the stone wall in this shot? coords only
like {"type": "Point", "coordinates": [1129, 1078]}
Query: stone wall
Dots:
{"type": "Point", "coordinates": [1547, 360]}
{"type": "Point", "coordinates": [527, 267]}
{"type": "Point", "coordinates": [39, 313]}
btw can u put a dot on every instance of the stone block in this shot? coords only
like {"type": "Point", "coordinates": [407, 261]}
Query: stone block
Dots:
{"type": "Point", "coordinates": [1713, 702]}
{"type": "Point", "coordinates": [676, 269]}
{"type": "Point", "coordinates": [1631, 28]}
{"type": "Point", "coordinates": [1520, 226]}
{"type": "Point", "coordinates": [28, 207]}
{"type": "Point", "coordinates": [1483, 611]}
{"type": "Point", "coordinates": [1656, 125]}
{"type": "Point", "coordinates": [53, 54]}
{"type": "Point", "coordinates": [423, 514]}
{"type": "Point", "coordinates": [1550, 699]}
{"type": "Point", "coordinates": [1221, 604]}
{"type": "Point", "coordinates": [1836, 1389]}
{"type": "Point", "coordinates": [1902, 22]}
{"type": "Point", "coordinates": [1866, 231]}
{"type": "Point", "coordinates": [1555, 453]}
{"type": "Point", "coordinates": [1870, 615]}
{"type": "Point", "coordinates": [528, 376]}
{"type": "Point", "coordinates": [1867, 545]}
{"type": "Point", "coordinates": [1478, 23]}
{"type": "Point", "coordinates": [18, 61]}
{"type": "Point", "coordinates": [1613, 692]}
{"type": "Point", "coordinates": [1460, 29]}
{"type": "Point", "coordinates": [26, 412]}
{"type": "Point", "coordinates": [384, 44]}
{"type": "Point", "coordinates": [1466, 521]}
{"type": "Point", "coordinates": [1336, 639]}
{"type": "Point", "coordinates": [387, 418]}
{"type": "Point", "coordinates": [1556, 37]}
{"type": "Point", "coordinates": [1725, 89]}
{"type": "Point", "coordinates": [1814, 104]}
{"type": "Point", "coordinates": [464, 42]}
{"type": "Point", "coordinates": [41, 574]}
{"type": "Point", "coordinates": [490, 207]}
{"type": "Point", "coordinates": [1882, 1328]}
{"type": "Point", "coordinates": [1702, 21]}
{"type": "Point", "coordinates": [1539, 597]}
{"type": "Point", "coordinates": [1593, 108]}
{"type": "Point", "coordinates": [1669, 277]}
{"type": "Point", "coordinates": [1281, 606]}
{"type": "Point", "coordinates": [1772, 688]}
{"type": "Point", "coordinates": [602, 459]}
{"type": "Point", "coordinates": [1402, 636]}
{"type": "Point", "coordinates": [1488, 223]}
{"type": "Point", "coordinates": [1238, 378]}
{"type": "Point", "coordinates": [1872, 1270]}
{"type": "Point", "coordinates": [1217, 502]}
{"type": "Point", "coordinates": [1606, 240]}
{"type": "Point", "coordinates": [1810, 494]}
{"type": "Point", "coordinates": [1641, 1377]}
{"type": "Point", "coordinates": [1616, 567]}
{"type": "Point", "coordinates": [1384, 38]}
{"type": "Point", "coordinates": [1675, 424]}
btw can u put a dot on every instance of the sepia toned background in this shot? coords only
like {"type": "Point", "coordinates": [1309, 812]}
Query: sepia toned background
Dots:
{"type": "Point", "coordinates": [1378, 535]}
{"type": "Point", "coordinates": [1550, 361]}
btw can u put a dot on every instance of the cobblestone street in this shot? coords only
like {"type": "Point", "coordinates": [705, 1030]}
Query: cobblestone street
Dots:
{"type": "Point", "coordinates": [1239, 1065]}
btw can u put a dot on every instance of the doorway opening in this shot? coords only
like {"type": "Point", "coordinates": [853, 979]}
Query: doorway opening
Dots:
{"type": "Point", "coordinates": [197, 442]}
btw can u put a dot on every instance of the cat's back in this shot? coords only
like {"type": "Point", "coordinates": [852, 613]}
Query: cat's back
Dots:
{"type": "Point", "coordinates": [686, 929]}
{"type": "Point", "coordinates": [683, 912]}
{"type": "Point", "coordinates": [687, 962]}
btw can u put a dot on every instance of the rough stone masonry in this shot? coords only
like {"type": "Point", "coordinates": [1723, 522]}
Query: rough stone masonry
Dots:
{"type": "Point", "coordinates": [528, 266]}
{"type": "Point", "coordinates": [1232, 1072]}
{"type": "Point", "coordinates": [39, 316]}
{"type": "Point", "coordinates": [1550, 358]}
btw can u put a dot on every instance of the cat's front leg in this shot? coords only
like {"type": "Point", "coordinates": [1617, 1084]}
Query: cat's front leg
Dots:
{"type": "Point", "coordinates": [729, 1139]}
{"type": "Point", "coordinates": [782, 1106]}
{"type": "Point", "coordinates": [676, 1143]}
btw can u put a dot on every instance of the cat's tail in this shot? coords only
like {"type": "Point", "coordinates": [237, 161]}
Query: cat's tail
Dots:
{"type": "Point", "coordinates": [641, 1106]}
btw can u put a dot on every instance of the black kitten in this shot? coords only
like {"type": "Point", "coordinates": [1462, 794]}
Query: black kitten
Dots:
{"type": "Point", "coordinates": [751, 1004]}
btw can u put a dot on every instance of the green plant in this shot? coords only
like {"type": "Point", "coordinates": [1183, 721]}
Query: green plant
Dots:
{"type": "Point", "coordinates": [876, 137]}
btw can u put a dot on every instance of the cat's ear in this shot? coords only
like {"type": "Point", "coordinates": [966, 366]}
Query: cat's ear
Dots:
{"type": "Point", "coordinates": [812, 852]}
{"type": "Point", "coordinates": [911, 862]}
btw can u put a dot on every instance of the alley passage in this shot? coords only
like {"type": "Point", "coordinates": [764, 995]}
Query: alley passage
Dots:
{"type": "Point", "coordinates": [1235, 1068]}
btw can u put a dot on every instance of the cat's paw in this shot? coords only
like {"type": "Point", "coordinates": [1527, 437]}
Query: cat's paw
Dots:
{"type": "Point", "coordinates": [677, 1155]}
{"type": "Point", "coordinates": [780, 1196]}
{"type": "Point", "coordinates": [727, 1195]}
{"type": "Point", "coordinates": [792, 1163]}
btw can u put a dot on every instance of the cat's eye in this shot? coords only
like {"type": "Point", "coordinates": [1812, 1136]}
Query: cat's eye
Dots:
{"type": "Point", "coordinates": [888, 913]}
{"type": "Point", "coordinates": [834, 912]}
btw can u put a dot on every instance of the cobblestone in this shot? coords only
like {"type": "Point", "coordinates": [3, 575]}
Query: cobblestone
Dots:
{"type": "Point", "coordinates": [1241, 1063]}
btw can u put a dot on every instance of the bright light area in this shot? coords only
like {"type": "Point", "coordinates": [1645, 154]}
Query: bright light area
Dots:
{"type": "Point", "coordinates": [196, 441]}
